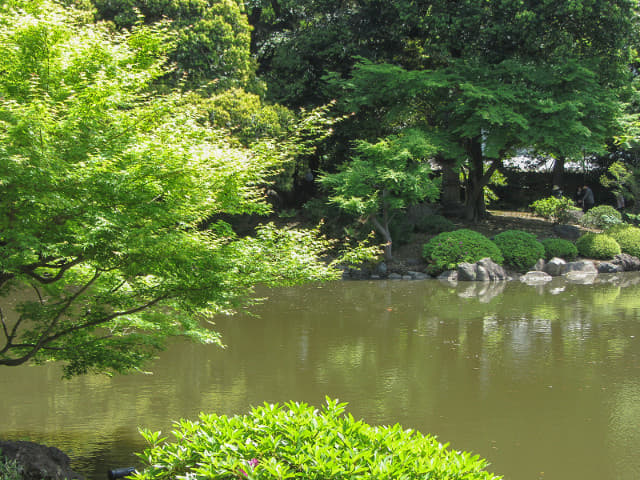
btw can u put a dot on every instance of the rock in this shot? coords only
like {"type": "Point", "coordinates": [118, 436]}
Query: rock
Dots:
{"type": "Point", "coordinates": [407, 277]}
{"type": "Point", "coordinates": [582, 278]}
{"type": "Point", "coordinates": [482, 274]}
{"type": "Point", "coordinates": [535, 278]}
{"type": "Point", "coordinates": [569, 232]}
{"type": "Point", "coordinates": [555, 267]}
{"type": "Point", "coordinates": [608, 267]}
{"type": "Point", "coordinates": [582, 266]}
{"type": "Point", "coordinates": [467, 272]}
{"type": "Point", "coordinates": [394, 276]}
{"type": "Point", "coordinates": [495, 271]}
{"type": "Point", "coordinates": [418, 275]}
{"type": "Point", "coordinates": [449, 276]}
{"type": "Point", "coordinates": [39, 462]}
{"type": "Point", "coordinates": [629, 263]}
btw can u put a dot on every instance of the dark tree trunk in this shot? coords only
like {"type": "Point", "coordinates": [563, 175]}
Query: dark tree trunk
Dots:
{"type": "Point", "coordinates": [475, 208]}
{"type": "Point", "coordinates": [557, 177]}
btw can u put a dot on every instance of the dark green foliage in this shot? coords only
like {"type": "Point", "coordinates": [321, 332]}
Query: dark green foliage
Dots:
{"type": "Point", "coordinates": [302, 442]}
{"type": "Point", "coordinates": [448, 249]}
{"type": "Point", "coordinates": [520, 250]}
{"type": "Point", "coordinates": [597, 245]}
{"type": "Point", "coordinates": [210, 38]}
{"type": "Point", "coordinates": [559, 247]}
{"type": "Point", "coordinates": [434, 224]}
{"type": "Point", "coordinates": [401, 230]}
{"type": "Point", "coordinates": [602, 217]}
{"type": "Point", "coordinates": [628, 237]}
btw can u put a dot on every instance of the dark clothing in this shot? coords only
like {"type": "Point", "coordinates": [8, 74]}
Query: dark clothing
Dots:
{"type": "Point", "coordinates": [587, 199]}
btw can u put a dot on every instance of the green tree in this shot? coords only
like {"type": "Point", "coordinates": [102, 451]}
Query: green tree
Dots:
{"type": "Point", "coordinates": [383, 179]}
{"type": "Point", "coordinates": [210, 38]}
{"type": "Point", "coordinates": [489, 79]}
{"type": "Point", "coordinates": [104, 187]}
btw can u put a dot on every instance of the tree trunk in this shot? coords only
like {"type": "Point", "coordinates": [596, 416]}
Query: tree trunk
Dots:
{"type": "Point", "coordinates": [557, 177]}
{"type": "Point", "coordinates": [475, 208]}
{"type": "Point", "coordinates": [383, 229]}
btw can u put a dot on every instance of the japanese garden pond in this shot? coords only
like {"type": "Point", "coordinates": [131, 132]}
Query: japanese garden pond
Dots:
{"type": "Point", "coordinates": [543, 381]}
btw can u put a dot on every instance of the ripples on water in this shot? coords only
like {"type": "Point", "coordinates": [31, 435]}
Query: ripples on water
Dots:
{"type": "Point", "coordinates": [542, 381]}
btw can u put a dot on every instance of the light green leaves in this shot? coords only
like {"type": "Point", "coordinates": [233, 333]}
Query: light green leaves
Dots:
{"type": "Point", "coordinates": [297, 441]}
{"type": "Point", "coordinates": [105, 191]}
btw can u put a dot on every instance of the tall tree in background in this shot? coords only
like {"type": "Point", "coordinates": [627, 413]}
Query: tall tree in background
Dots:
{"type": "Point", "coordinates": [210, 39]}
{"type": "Point", "coordinates": [485, 78]}
{"type": "Point", "coordinates": [104, 186]}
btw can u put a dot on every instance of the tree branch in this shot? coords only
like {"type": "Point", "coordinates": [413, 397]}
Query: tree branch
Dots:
{"type": "Point", "coordinates": [44, 343]}
{"type": "Point", "coordinates": [30, 270]}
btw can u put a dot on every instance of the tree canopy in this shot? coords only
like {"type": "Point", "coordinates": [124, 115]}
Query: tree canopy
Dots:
{"type": "Point", "coordinates": [489, 79]}
{"type": "Point", "coordinates": [104, 189]}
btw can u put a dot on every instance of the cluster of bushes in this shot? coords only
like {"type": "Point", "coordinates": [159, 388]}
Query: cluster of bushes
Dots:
{"type": "Point", "coordinates": [299, 441]}
{"type": "Point", "coordinates": [521, 250]}
{"type": "Point", "coordinates": [515, 248]}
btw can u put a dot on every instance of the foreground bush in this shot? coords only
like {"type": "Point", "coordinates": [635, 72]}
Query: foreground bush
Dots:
{"type": "Point", "coordinates": [597, 245]}
{"type": "Point", "coordinates": [556, 209]}
{"type": "Point", "coordinates": [602, 217]}
{"type": "Point", "coordinates": [521, 250]}
{"type": "Point", "coordinates": [298, 441]}
{"type": "Point", "coordinates": [9, 469]}
{"type": "Point", "coordinates": [627, 236]}
{"type": "Point", "coordinates": [559, 247]}
{"type": "Point", "coordinates": [448, 249]}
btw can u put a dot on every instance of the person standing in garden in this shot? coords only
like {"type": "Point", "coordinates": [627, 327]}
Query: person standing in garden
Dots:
{"type": "Point", "coordinates": [587, 200]}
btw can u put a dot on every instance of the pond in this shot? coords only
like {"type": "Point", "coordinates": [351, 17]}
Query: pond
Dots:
{"type": "Point", "coordinates": [542, 381]}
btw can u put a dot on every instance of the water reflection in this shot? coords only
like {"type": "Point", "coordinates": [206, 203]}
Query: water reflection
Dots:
{"type": "Point", "coordinates": [542, 380]}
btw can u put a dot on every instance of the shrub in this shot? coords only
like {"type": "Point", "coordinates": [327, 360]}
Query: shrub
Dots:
{"type": "Point", "coordinates": [434, 224]}
{"type": "Point", "coordinates": [556, 209]}
{"type": "Point", "coordinates": [559, 247]}
{"type": "Point", "coordinates": [298, 441]}
{"type": "Point", "coordinates": [520, 249]}
{"type": "Point", "coordinates": [597, 245]}
{"type": "Point", "coordinates": [401, 230]}
{"type": "Point", "coordinates": [448, 249]}
{"type": "Point", "coordinates": [9, 469]}
{"type": "Point", "coordinates": [602, 216]}
{"type": "Point", "coordinates": [627, 236]}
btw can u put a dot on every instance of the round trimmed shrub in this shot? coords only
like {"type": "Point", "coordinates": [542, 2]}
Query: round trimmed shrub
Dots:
{"type": "Point", "coordinates": [447, 250]}
{"type": "Point", "coordinates": [300, 441]}
{"type": "Point", "coordinates": [602, 217]}
{"type": "Point", "coordinates": [434, 224]}
{"type": "Point", "coordinates": [559, 247]}
{"type": "Point", "coordinates": [520, 249]}
{"type": "Point", "coordinates": [597, 245]}
{"type": "Point", "coordinates": [627, 236]}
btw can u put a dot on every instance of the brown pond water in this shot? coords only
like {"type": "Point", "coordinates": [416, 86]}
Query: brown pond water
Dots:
{"type": "Point", "coordinates": [544, 382]}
